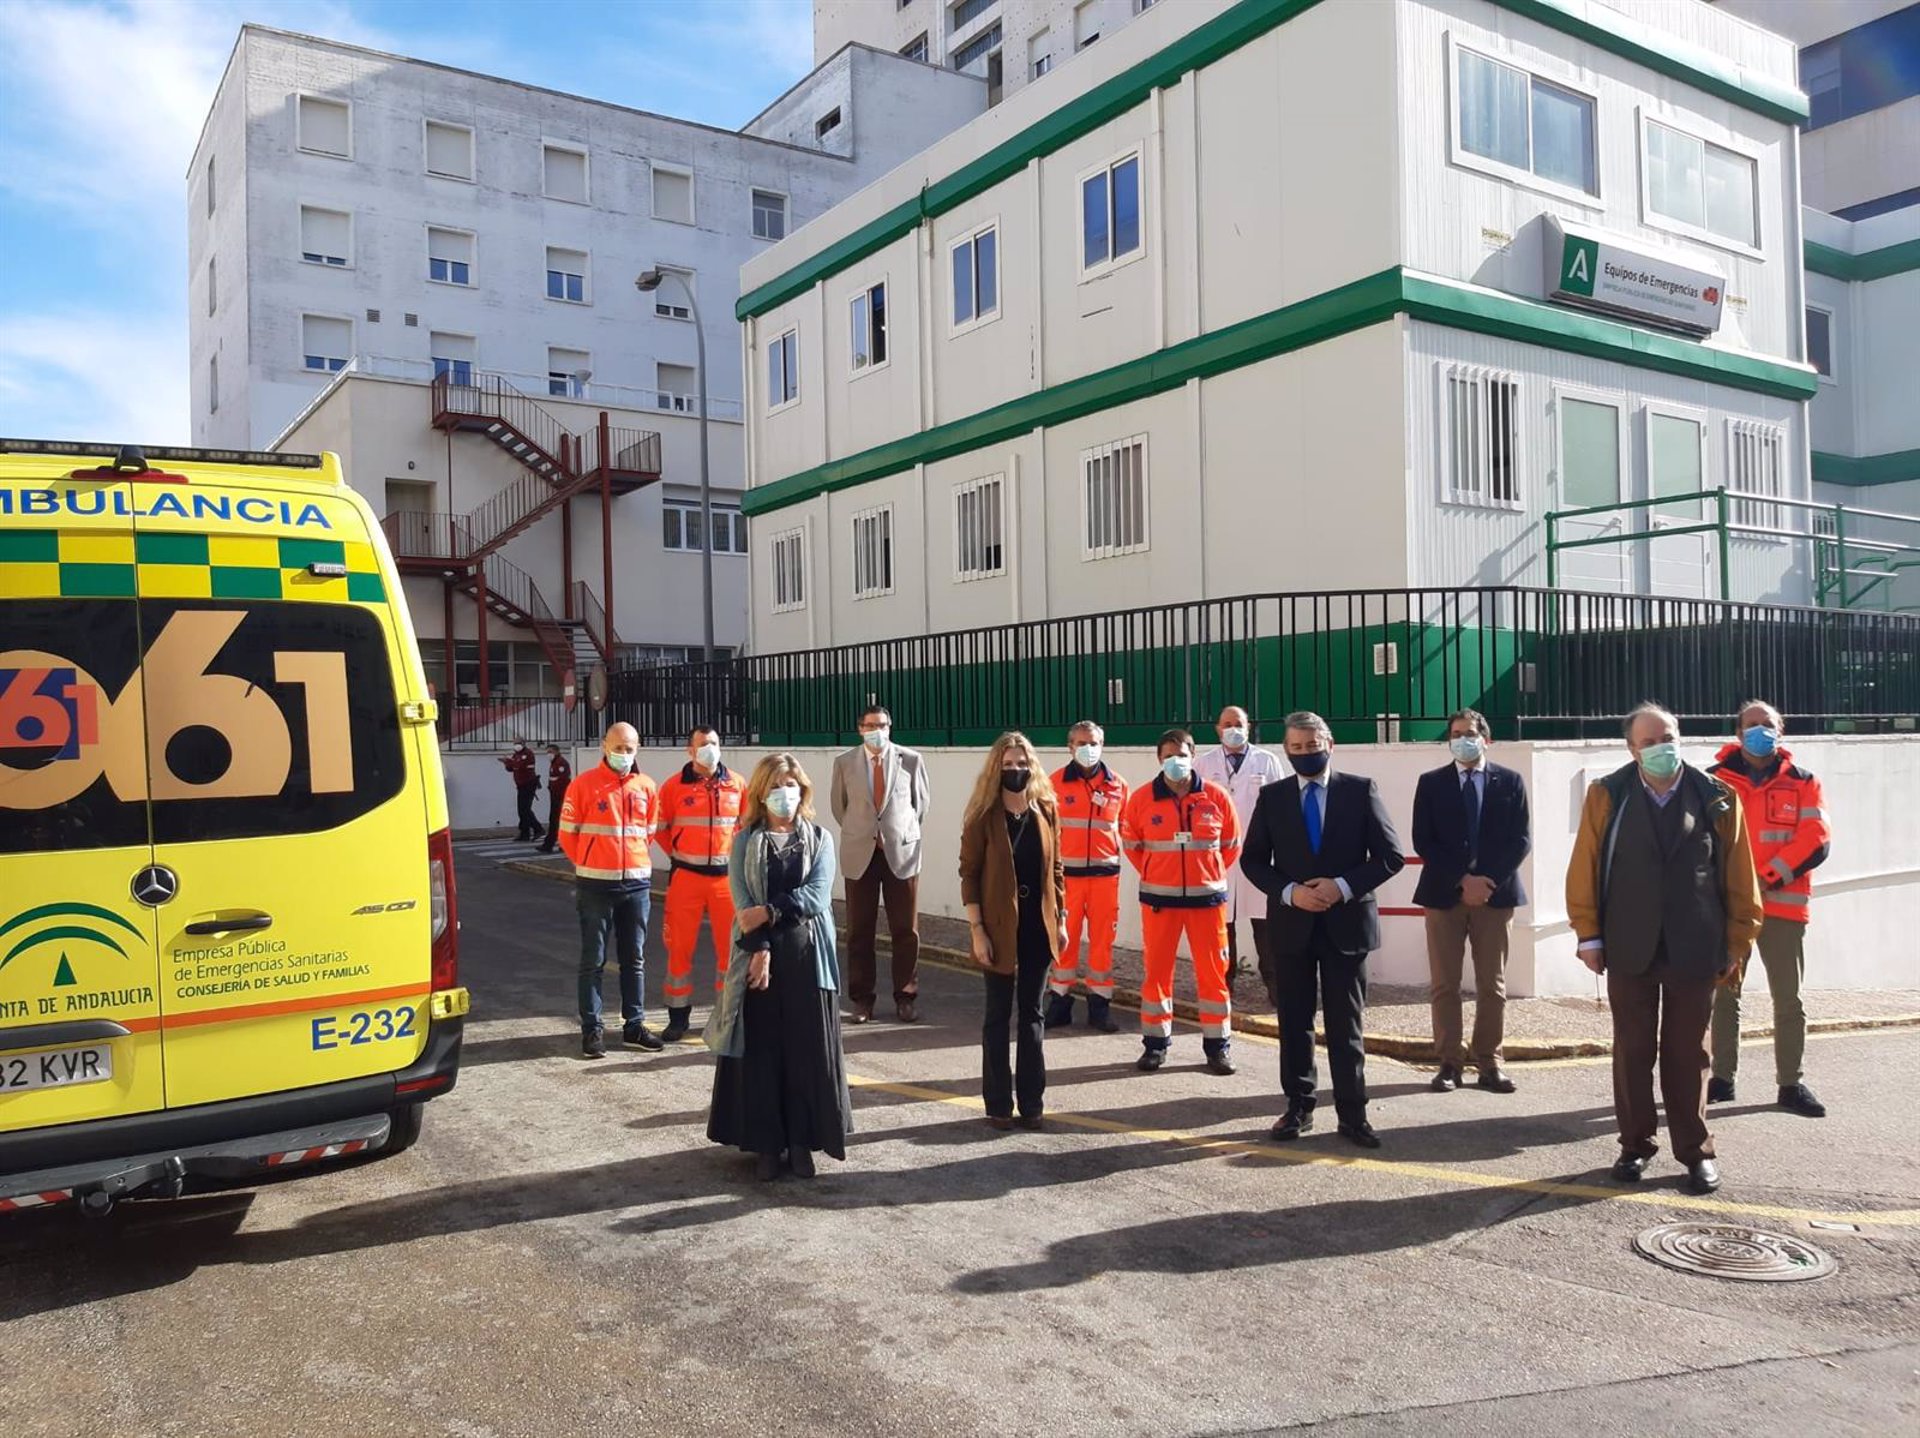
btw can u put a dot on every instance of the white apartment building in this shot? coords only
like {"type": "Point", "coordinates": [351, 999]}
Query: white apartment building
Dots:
{"type": "Point", "coordinates": [432, 272]}
{"type": "Point", "coordinates": [1292, 296]}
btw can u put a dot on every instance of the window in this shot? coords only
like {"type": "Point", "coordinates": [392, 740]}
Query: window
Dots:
{"type": "Point", "coordinates": [787, 556]}
{"type": "Point", "coordinates": [964, 12]}
{"type": "Point", "coordinates": [325, 127]}
{"type": "Point", "coordinates": [209, 187]}
{"type": "Point", "coordinates": [449, 256]}
{"type": "Point", "coordinates": [1819, 341]}
{"type": "Point", "coordinates": [567, 275]}
{"type": "Point", "coordinates": [213, 285]}
{"type": "Point", "coordinates": [916, 48]}
{"type": "Point", "coordinates": [1110, 213]}
{"type": "Point", "coordinates": [827, 124]}
{"type": "Point", "coordinates": [673, 195]}
{"type": "Point", "coordinates": [1114, 498]}
{"type": "Point", "coordinates": [213, 384]}
{"type": "Point", "coordinates": [978, 48]}
{"type": "Point", "coordinates": [976, 277]}
{"type": "Point", "coordinates": [568, 372]}
{"type": "Point", "coordinates": [564, 174]}
{"type": "Point", "coordinates": [1589, 453]}
{"type": "Point", "coordinates": [783, 370]}
{"type": "Point", "coordinates": [1674, 464]}
{"type": "Point", "coordinates": [1521, 124]}
{"type": "Point", "coordinates": [325, 343]}
{"type": "Point", "coordinates": [1698, 186]}
{"type": "Point", "coordinates": [1482, 461]}
{"type": "Point", "coordinates": [769, 215]}
{"type": "Point", "coordinates": [453, 356]}
{"type": "Point", "coordinates": [1756, 465]}
{"type": "Point", "coordinates": [1868, 68]}
{"type": "Point", "coordinates": [1086, 20]}
{"type": "Point", "coordinates": [449, 150]}
{"type": "Point", "coordinates": [1039, 54]}
{"type": "Point", "coordinates": [326, 236]}
{"type": "Point", "coordinates": [674, 387]}
{"type": "Point", "coordinates": [680, 527]}
{"type": "Point", "coordinates": [979, 528]}
{"type": "Point", "coordinates": [873, 552]}
{"type": "Point", "coordinates": [670, 301]}
{"type": "Point", "coordinates": [870, 327]}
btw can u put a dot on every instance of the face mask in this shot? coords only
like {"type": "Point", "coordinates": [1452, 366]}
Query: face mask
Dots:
{"type": "Point", "coordinates": [1087, 755]}
{"type": "Point", "coordinates": [707, 755]}
{"type": "Point", "coordinates": [619, 763]}
{"type": "Point", "coordinates": [1014, 781]}
{"type": "Point", "coordinates": [784, 802]}
{"type": "Point", "coordinates": [1235, 738]}
{"type": "Point", "coordinates": [1467, 748]}
{"type": "Point", "coordinates": [1309, 764]}
{"type": "Point", "coordinates": [1760, 741]}
{"type": "Point", "coordinates": [1661, 761]}
{"type": "Point", "coordinates": [1177, 767]}
{"type": "Point", "coordinates": [875, 739]}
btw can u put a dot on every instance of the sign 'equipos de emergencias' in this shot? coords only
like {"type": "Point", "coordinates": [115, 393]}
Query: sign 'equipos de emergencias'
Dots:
{"type": "Point", "coordinates": [1596, 272]}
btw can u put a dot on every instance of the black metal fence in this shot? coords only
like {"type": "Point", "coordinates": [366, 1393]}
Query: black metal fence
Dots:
{"type": "Point", "coordinates": [1377, 664]}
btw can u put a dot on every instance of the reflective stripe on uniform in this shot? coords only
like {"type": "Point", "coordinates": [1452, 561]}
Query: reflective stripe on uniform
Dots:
{"type": "Point", "coordinates": [722, 822]}
{"type": "Point", "coordinates": [1176, 891]}
{"type": "Point", "coordinates": [1775, 836]}
{"type": "Point", "coordinates": [1104, 825]}
{"type": "Point", "coordinates": [581, 871]}
{"type": "Point", "coordinates": [1174, 846]}
{"type": "Point", "coordinates": [1813, 813]}
{"type": "Point", "coordinates": [1787, 897]}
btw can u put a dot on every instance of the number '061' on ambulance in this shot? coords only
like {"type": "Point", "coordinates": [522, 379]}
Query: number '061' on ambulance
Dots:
{"type": "Point", "coordinates": [227, 932]}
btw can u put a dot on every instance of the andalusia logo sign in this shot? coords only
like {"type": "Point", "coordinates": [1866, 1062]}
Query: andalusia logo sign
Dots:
{"type": "Point", "coordinates": [63, 924]}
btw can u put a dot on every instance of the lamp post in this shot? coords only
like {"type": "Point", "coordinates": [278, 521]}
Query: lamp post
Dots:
{"type": "Point", "coordinates": [649, 281]}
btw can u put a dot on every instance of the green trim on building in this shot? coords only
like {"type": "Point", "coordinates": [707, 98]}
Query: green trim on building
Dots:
{"type": "Point", "coordinates": [1219, 37]}
{"type": "Point", "coordinates": [1873, 265]}
{"type": "Point", "coordinates": [1861, 470]}
{"type": "Point", "coordinates": [1357, 306]}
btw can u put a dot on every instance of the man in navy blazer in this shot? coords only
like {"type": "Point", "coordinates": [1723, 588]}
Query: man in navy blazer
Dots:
{"type": "Point", "coordinates": [1471, 830]}
{"type": "Point", "coordinates": [1318, 845]}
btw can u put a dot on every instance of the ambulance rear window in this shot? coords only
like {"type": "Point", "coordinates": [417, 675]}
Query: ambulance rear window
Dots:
{"type": "Point", "coordinates": [265, 719]}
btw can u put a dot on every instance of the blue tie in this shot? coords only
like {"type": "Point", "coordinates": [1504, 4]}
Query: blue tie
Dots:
{"type": "Point", "coordinates": [1310, 811]}
{"type": "Point", "coordinates": [1470, 796]}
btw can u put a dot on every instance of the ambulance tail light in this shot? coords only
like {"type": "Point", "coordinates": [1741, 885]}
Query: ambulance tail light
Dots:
{"type": "Point", "coordinates": [446, 919]}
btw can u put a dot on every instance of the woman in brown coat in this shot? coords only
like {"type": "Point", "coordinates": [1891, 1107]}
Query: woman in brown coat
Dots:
{"type": "Point", "coordinates": [1011, 881]}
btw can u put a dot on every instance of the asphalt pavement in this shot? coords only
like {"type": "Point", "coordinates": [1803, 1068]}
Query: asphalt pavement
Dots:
{"type": "Point", "coordinates": [564, 1251]}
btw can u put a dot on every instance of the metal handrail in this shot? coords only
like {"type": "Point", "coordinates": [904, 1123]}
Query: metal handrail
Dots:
{"type": "Point", "coordinates": [428, 534]}
{"type": "Point", "coordinates": [592, 613]}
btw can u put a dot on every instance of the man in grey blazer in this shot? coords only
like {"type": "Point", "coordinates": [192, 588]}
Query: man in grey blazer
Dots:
{"type": "Point", "coordinates": [880, 797]}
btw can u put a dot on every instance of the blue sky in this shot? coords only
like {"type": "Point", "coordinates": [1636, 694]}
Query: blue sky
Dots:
{"type": "Point", "coordinates": [102, 104]}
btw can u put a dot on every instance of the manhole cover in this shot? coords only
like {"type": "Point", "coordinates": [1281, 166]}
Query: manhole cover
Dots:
{"type": "Point", "coordinates": [1726, 1250]}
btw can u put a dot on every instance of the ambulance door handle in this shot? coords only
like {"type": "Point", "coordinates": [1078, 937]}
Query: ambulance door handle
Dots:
{"type": "Point", "coordinates": [245, 923]}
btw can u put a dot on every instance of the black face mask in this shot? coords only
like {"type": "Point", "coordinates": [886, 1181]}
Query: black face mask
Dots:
{"type": "Point", "coordinates": [1309, 764]}
{"type": "Point", "coordinates": [1015, 780]}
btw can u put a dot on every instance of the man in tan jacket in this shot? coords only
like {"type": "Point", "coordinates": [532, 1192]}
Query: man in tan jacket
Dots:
{"type": "Point", "coordinates": [1663, 899]}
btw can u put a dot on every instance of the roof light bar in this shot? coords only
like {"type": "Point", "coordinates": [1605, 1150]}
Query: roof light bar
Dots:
{"type": "Point", "coordinates": [175, 453]}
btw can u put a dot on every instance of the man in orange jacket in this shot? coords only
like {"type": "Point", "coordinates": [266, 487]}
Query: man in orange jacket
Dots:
{"type": "Point", "coordinates": [1091, 798]}
{"type": "Point", "coordinates": [1788, 829]}
{"type": "Point", "coordinates": [606, 825]}
{"type": "Point", "coordinates": [1180, 833]}
{"type": "Point", "coordinates": [699, 810]}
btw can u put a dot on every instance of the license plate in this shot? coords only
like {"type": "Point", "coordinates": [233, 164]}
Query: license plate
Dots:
{"type": "Point", "coordinates": [58, 1069]}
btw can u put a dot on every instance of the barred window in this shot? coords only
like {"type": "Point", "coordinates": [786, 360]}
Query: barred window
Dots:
{"type": "Point", "coordinates": [1114, 498]}
{"type": "Point", "coordinates": [979, 528]}
{"type": "Point", "coordinates": [788, 554]}
{"type": "Point", "coordinates": [873, 552]}
{"type": "Point", "coordinates": [1756, 465]}
{"type": "Point", "coordinates": [1482, 462]}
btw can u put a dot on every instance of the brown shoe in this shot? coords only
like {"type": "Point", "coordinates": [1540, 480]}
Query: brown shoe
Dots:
{"type": "Point", "coordinates": [906, 1012]}
{"type": "Point", "coordinates": [862, 1014]}
{"type": "Point", "coordinates": [1000, 1122]}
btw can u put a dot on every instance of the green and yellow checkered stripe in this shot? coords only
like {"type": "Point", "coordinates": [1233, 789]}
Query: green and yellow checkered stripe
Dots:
{"type": "Point", "coordinates": [43, 563]}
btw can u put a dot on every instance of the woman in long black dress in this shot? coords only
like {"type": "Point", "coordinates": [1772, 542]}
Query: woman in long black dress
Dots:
{"type": "Point", "coordinates": [780, 1091]}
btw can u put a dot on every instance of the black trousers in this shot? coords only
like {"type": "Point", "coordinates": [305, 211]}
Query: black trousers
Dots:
{"type": "Point", "coordinates": [529, 826]}
{"type": "Point", "coordinates": [1323, 975]}
{"type": "Point", "coordinates": [1016, 997]}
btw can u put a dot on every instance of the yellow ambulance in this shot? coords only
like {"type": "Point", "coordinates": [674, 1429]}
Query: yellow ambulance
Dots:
{"type": "Point", "coordinates": [227, 929]}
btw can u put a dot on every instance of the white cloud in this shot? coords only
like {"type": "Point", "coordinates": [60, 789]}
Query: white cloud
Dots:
{"type": "Point", "coordinates": [87, 374]}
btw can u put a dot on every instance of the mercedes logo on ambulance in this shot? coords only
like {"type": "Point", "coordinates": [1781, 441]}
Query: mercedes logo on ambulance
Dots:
{"type": "Point", "coordinates": [154, 885]}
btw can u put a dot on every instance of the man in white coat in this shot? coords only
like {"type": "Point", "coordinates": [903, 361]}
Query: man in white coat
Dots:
{"type": "Point", "coordinates": [1242, 771]}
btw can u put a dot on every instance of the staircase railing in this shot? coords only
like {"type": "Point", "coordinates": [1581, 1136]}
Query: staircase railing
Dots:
{"type": "Point", "coordinates": [513, 587]}
{"type": "Point", "coordinates": [587, 605]}
{"type": "Point", "coordinates": [629, 450]}
{"type": "Point", "coordinates": [428, 534]}
{"type": "Point", "coordinates": [489, 396]}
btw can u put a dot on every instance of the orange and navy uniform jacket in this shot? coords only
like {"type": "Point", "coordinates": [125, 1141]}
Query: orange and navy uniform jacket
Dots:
{"type": "Point", "coordinates": [1183, 846]}
{"type": "Point", "coordinates": [698, 818]}
{"type": "Point", "coordinates": [1786, 824]}
{"type": "Point", "coordinates": [607, 824]}
{"type": "Point", "coordinates": [1090, 803]}
{"type": "Point", "coordinates": [520, 764]}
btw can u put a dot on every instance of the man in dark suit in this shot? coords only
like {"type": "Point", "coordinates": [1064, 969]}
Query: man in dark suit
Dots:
{"type": "Point", "coordinates": [1471, 830]}
{"type": "Point", "coordinates": [1318, 847]}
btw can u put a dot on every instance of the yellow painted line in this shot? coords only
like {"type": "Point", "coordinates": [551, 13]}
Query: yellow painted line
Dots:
{"type": "Point", "coordinates": [1432, 1173]}
{"type": "Point", "coordinates": [1760, 1041]}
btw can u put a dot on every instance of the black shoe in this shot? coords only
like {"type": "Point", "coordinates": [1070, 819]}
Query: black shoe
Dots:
{"type": "Point", "coordinates": [1100, 1016]}
{"type": "Point", "coordinates": [1220, 1061]}
{"type": "Point", "coordinates": [1494, 1081]}
{"type": "Point", "coordinates": [1360, 1132]}
{"type": "Point", "coordinates": [1798, 1098]}
{"type": "Point", "coordinates": [1060, 1011]}
{"type": "Point", "coordinates": [594, 1045]}
{"type": "Point", "coordinates": [1447, 1080]}
{"type": "Point", "coordinates": [1703, 1176]}
{"type": "Point", "coordinates": [546, 848]}
{"type": "Point", "coordinates": [1629, 1166]}
{"type": "Point", "coordinates": [767, 1167]}
{"type": "Point", "coordinates": [1030, 1122]}
{"type": "Point", "coordinates": [678, 1022]}
{"type": "Point", "coordinates": [1292, 1124]}
{"type": "Point", "coordinates": [800, 1160]}
{"type": "Point", "coordinates": [641, 1037]}
{"type": "Point", "coordinates": [1719, 1090]}
{"type": "Point", "coordinates": [1151, 1060]}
